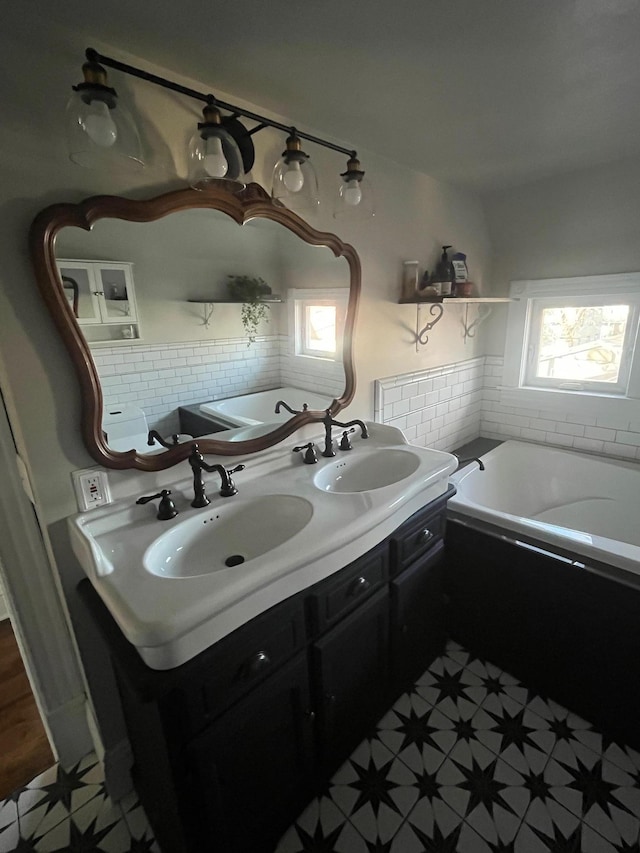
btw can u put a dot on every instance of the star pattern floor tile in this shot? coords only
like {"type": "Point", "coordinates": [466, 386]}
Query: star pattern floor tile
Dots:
{"type": "Point", "coordinates": [469, 761]}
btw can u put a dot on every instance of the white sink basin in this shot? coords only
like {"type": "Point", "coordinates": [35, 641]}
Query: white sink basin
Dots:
{"type": "Point", "coordinates": [227, 536]}
{"type": "Point", "coordinates": [367, 471]}
{"type": "Point", "coordinates": [176, 587]}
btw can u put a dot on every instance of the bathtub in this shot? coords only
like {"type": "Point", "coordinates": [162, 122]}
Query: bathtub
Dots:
{"type": "Point", "coordinates": [259, 408]}
{"type": "Point", "coordinates": [584, 506]}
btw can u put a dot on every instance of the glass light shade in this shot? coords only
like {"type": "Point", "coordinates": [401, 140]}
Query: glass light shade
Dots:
{"type": "Point", "coordinates": [215, 159]}
{"type": "Point", "coordinates": [295, 184]}
{"type": "Point", "coordinates": [355, 200]}
{"type": "Point", "coordinates": [101, 132]}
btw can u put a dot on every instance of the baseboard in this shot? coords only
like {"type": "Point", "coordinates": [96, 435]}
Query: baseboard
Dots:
{"type": "Point", "coordinates": [69, 731]}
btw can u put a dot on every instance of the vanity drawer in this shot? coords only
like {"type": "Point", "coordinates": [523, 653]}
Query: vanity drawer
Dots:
{"type": "Point", "coordinates": [242, 660]}
{"type": "Point", "coordinates": [336, 596]}
{"type": "Point", "coordinates": [416, 536]}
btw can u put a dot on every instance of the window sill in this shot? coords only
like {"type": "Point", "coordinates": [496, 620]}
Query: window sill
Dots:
{"type": "Point", "coordinates": [579, 402]}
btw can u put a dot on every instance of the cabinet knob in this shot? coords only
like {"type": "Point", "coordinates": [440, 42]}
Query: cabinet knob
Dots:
{"type": "Point", "coordinates": [359, 586]}
{"type": "Point", "coordinates": [257, 663]}
{"type": "Point", "coordinates": [424, 536]}
{"type": "Point", "coordinates": [330, 698]}
{"type": "Point", "coordinates": [309, 714]}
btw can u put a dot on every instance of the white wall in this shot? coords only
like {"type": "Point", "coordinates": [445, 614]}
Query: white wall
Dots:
{"type": "Point", "coordinates": [40, 62]}
{"type": "Point", "coordinates": [583, 223]}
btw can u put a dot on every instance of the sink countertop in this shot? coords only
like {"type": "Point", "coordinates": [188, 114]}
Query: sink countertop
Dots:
{"type": "Point", "coordinates": [171, 619]}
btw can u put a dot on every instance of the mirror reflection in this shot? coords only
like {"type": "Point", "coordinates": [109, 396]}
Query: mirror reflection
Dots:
{"type": "Point", "coordinates": [176, 350]}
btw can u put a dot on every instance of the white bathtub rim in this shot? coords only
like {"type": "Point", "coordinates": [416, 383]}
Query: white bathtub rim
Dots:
{"type": "Point", "coordinates": [605, 550]}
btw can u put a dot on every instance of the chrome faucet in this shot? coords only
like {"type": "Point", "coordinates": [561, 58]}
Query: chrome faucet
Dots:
{"type": "Point", "coordinates": [329, 422]}
{"type": "Point", "coordinates": [198, 465]}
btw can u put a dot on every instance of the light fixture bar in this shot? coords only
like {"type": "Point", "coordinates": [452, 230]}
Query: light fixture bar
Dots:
{"type": "Point", "coordinates": [93, 56]}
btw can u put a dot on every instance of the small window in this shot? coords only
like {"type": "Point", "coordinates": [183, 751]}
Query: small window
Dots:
{"type": "Point", "coordinates": [318, 322]}
{"type": "Point", "coordinates": [574, 342]}
{"type": "Point", "coordinates": [319, 329]}
{"type": "Point", "coordinates": [579, 344]}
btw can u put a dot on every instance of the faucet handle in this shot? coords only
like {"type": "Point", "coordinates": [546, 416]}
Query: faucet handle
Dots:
{"type": "Point", "coordinates": [345, 444]}
{"type": "Point", "coordinates": [281, 404]}
{"type": "Point", "coordinates": [310, 456]}
{"type": "Point", "coordinates": [228, 488]}
{"type": "Point", "coordinates": [166, 507]}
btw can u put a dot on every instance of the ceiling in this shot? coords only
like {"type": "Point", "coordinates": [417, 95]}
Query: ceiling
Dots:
{"type": "Point", "coordinates": [482, 93]}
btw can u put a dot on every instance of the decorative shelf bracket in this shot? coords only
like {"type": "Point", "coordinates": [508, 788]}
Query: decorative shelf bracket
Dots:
{"type": "Point", "coordinates": [470, 328]}
{"type": "Point", "coordinates": [207, 312]}
{"type": "Point", "coordinates": [422, 338]}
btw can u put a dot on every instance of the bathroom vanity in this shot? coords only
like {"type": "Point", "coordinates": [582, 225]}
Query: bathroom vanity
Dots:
{"type": "Point", "coordinates": [231, 745]}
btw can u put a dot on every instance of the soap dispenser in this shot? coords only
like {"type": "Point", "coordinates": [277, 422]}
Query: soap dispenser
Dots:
{"type": "Point", "coordinates": [444, 275]}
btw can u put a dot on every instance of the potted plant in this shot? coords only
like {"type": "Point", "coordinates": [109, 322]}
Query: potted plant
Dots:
{"type": "Point", "coordinates": [250, 290]}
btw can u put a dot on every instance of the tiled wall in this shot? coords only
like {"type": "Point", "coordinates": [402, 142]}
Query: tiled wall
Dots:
{"type": "Point", "coordinates": [439, 408]}
{"type": "Point", "coordinates": [605, 434]}
{"type": "Point", "coordinates": [162, 377]}
{"type": "Point", "coordinates": [446, 406]}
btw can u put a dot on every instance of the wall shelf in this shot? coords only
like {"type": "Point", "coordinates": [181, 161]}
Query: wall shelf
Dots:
{"type": "Point", "coordinates": [436, 311]}
{"type": "Point", "coordinates": [208, 305]}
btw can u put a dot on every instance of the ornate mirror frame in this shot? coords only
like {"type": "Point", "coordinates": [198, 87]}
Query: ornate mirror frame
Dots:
{"type": "Point", "coordinates": [252, 202]}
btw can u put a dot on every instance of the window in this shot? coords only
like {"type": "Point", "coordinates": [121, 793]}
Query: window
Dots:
{"type": "Point", "coordinates": [570, 340]}
{"type": "Point", "coordinates": [318, 322]}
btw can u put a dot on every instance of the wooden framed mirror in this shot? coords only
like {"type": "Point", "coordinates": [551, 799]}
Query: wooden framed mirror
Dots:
{"type": "Point", "coordinates": [151, 289]}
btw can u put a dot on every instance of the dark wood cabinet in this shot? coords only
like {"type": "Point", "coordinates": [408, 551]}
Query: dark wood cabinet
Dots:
{"type": "Point", "coordinates": [252, 767]}
{"type": "Point", "coordinates": [418, 618]}
{"type": "Point", "coordinates": [230, 746]}
{"type": "Point", "coordinates": [350, 677]}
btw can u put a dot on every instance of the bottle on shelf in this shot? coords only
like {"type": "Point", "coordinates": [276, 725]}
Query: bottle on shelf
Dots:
{"type": "Point", "coordinates": [443, 278]}
{"type": "Point", "coordinates": [410, 279]}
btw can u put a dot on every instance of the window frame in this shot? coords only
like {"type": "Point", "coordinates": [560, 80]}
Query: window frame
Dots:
{"type": "Point", "coordinates": [299, 299]}
{"type": "Point", "coordinates": [528, 296]}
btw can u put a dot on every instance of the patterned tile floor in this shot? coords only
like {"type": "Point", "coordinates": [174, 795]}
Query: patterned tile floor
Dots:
{"type": "Point", "coordinates": [470, 761]}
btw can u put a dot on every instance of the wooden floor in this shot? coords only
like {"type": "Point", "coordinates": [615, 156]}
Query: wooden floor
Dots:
{"type": "Point", "coordinates": [24, 748]}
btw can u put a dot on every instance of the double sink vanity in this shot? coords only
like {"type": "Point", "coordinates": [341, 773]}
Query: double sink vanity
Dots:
{"type": "Point", "coordinates": [255, 639]}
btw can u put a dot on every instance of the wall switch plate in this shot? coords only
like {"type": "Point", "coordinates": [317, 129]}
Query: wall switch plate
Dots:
{"type": "Point", "coordinates": [91, 486]}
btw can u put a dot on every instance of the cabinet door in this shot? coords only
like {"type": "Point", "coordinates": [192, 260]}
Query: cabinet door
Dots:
{"type": "Point", "coordinates": [115, 284]}
{"type": "Point", "coordinates": [350, 675]}
{"type": "Point", "coordinates": [251, 767]}
{"type": "Point", "coordinates": [418, 618]}
{"type": "Point", "coordinates": [79, 281]}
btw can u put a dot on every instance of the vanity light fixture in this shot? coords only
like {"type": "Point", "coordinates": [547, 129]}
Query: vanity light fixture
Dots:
{"type": "Point", "coordinates": [294, 178]}
{"type": "Point", "coordinates": [101, 132]}
{"type": "Point", "coordinates": [355, 196]}
{"type": "Point", "coordinates": [214, 155]}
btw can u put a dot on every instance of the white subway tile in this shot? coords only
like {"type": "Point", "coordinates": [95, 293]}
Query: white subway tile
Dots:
{"type": "Point", "coordinates": [632, 438]}
{"type": "Point", "coordinates": [569, 429]}
{"type": "Point", "coordinates": [600, 433]}
{"type": "Point", "coordinates": [591, 445]}
{"type": "Point", "coordinates": [625, 450]}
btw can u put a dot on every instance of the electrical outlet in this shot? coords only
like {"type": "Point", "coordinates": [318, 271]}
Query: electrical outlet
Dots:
{"type": "Point", "coordinates": [92, 488]}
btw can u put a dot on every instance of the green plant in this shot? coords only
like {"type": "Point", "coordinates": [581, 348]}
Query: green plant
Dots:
{"type": "Point", "coordinates": [251, 290]}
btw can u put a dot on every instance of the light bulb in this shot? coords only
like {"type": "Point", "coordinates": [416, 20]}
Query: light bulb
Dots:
{"type": "Point", "coordinates": [215, 163]}
{"type": "Point", "coordinates": [99, 126]}
{"type": "Point", "coordinates": [293, 178]}
{"type": "Point", "coordinates": [352, 193]}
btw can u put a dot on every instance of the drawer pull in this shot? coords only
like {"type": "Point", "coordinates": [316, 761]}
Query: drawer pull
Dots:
{"type": "Point", "coordinates": [425, 536]}
{"type": "Point", "coordinates": [255, 666]}
{"type": "Point", "coordinates": [359, 586]}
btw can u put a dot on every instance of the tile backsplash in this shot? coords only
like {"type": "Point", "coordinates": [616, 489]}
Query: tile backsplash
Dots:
{"type": "Point", "coordinates": [446, 406]}
{"type": "Point", "coordinates": [159, 378]}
